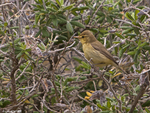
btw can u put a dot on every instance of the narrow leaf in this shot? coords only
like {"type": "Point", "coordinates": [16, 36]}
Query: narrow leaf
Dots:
{"type": "Point", "coordinates": [61, 2]}
{"type": "Point", "coordinates": [57, 1]}
{"type": "Point", "coordinates": [77, 24]}
{"type": "Point", "coordinates": [69, 27]}
{"type": "Point", "coordinates": [68, 7]}
{"type": "Point", "coordinates": [128, 15]}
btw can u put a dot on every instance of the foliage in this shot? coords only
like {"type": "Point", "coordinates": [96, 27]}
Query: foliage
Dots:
{"type": "Point", "coordinates": [42, 67]}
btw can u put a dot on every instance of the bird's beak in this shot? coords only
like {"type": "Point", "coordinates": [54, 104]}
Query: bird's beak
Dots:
{"type": "Point", "coordinates": [77, 37]}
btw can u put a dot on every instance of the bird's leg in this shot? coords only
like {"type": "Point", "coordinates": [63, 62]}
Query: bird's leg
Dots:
{"type": "Point", "coordinates": [101, 72]}
{"type": "Point", "coordinates": [91, 60]}
{"type": "Point", "coordinates": [94, 68]}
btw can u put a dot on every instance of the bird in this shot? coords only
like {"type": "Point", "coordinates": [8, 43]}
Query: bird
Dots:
{"type": "Point", "coordinates": [95, 52]}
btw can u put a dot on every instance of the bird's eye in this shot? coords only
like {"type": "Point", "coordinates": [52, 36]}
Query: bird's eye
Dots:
{"type": "Point", "coordinates": [82, 36]}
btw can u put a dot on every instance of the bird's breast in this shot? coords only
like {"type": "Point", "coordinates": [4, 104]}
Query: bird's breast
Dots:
{"type": "Point", "coordinates": [94, 55]}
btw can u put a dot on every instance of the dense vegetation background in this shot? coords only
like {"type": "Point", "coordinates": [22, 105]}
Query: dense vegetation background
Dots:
{"type": "Point", "coordinates": [43, 69]}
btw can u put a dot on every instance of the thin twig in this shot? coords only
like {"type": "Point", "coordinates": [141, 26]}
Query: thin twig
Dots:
{"type": "Point", "coordinates": [140, 94]}
{"type": "Point", "coordinates": [53, 78]}
{"type": "Point", "coordinates": [96, 12]}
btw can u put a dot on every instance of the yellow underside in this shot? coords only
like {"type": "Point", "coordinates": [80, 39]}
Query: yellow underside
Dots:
{"type": "Point", "coordinates": [95, 57]}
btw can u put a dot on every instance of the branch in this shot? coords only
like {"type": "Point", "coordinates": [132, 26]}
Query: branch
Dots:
{"type": "Point", "coordinates": [53, 78]}
{"type": "Point", "coordinates": [96, 12]}
{"type": "Point", "coordinates": [140, 94]}
{"type": "Point", "coordinates": [61, 48]}
{"type": "Point", "coordinates": [112, 90]}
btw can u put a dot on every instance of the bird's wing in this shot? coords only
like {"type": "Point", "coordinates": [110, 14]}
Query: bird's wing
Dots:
{"type": "Point", "coordinates": [102, 50]}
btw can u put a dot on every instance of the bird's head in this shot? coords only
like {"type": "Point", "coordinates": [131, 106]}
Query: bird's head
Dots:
{"type": "Point", "coordinates": [86, 37]}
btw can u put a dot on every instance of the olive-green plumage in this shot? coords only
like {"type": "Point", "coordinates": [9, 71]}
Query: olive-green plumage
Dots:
{"type": "Point", "coordinates": [94, 51]}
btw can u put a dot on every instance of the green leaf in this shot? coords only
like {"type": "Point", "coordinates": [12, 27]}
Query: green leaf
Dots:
{"type": "Point", "coordinates": [116, 4]}
{"type": "Point", "coordinates": [146, 47]}
{"type": "Point", "coordinates": [57, 1]}
{"type": "Point", "coordinates": [100, 13]}
{"type": "Point", "coordinates": [137, 89]}
{"type": "Point", "coordinates": [69, 27]}
{"type": "Point", "coordinates": [1, 60]}
{"type": "Point", "coordinates": [41, 46]}
{"type": "Point", "coordinates": [136, 30]}
{"type": "Point", "coordinates": [76, 18]}
{"type": "Point", "coordinates": [126, 46]}
{"type": "Point", "coordinates": [122, 98]}
{"type": "Point", "coordinates": [2, 33]}
{"type": "Point", "coordinates": [147, 110]}
{"type": "Point", "coordinates": [5, 24]}
{"type": "Point", "coordinates": [109, 19]}
{"type": "Point", "coordinates": [135, 14]}
{"type": "Point", "coordinates": [83, 8]}
{"type": "Point", "coordinates": [26, 53]}
{"type": "Point", "coordinates": [119, 35]}
{"type": "Point", "coordinates": [27, 27]}
{"type": "Point", "coordinates": [37, 17]}
{"type": "Point", "coordinates": [143, 44]}
{"type": "Point", "coordinates": [23, 46]}
{"type": "Point", "coordinates": [74, 13]}
{"type": "Point", "coordinates": [71, 89]}
{"type": "Point", "coordinates": [51, 9]}
{"type": "Point", "coordinates": [68, 7]}
{"type": "Point", "coordinates": [135, 1]}
{"type": "Point", "coordinates": [40, 1]}
{"type": "Point", "coordinates": [43, 12]}
{"type": "Point", "coordinates": [38, 33]}
{"type": "Point", "coordinates": [1, 25]}
{"type": "Point", "coordinates": [77, 24]}
{"type": "Point", "coordinates": [77, 59]}
{"type": "Point", "coordinates": [101, 19]}
{"type": "Point", "coordinates": [108, 104]}
{"type": "Point", "coordinates": [101, 107]}
{"type": "Point", "coordinates": [126, 94]}
{"type": "Point", "coordinates": [136, 55]}
{"type": "Point", "coordinates": [55, 6]}
{"type": "Point", "coordinates": [61, 16]}
{"type": "Point", "coordinates": [103, 31]}
{"type": "Point", "coordinates": [74, 9]}
{"type": "Point", "coordinates": [110, 8]}
{"type": "Point", "coordinates": [17, 40]}
{"type": "Point", "coordinates": [131, 53]}
{"type": "Point", "coordinates": [69, 80]}
{"type": "Point", "coordinates": [127, 15]}
{"type": "Point", "coordinates": [45, 32]}
{"type": "Point", "coordinates": [19, 55]}
{"type": "Point", "coordinates": [143, 18]}
{"type": "Point", "coordinates": [130, 34]}
{"type": "Point", "coordinates": [57, 83]}
{"type": "Point", "coordinates": [121, 53]}
{"type": "Point", "coordinates": [61, 2]}
{"type": "Point", "coordinates": [61, 21]}
{"type": "Point", "coordinates": [88, 19]}
{"type": "Point", "coordinates": [147, 103]}
{"type": "Point", "coordinates": [28, 50]}
{"type": "Point", "coordinates": [127, 31]}
{"type": "Point", "coordinates": [5, 103]}
{"type": "Point", "coordinates": [139, 42]}
{"type": "Point", "coordinates": [110, 99]}
{"type": "Point", "coordinates": [85, 65]}
{"type": "Point", "coordinates": [55, 22]}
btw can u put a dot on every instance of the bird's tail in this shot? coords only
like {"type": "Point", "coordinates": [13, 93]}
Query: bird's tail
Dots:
{"type": "Point", "coordinates": [117, 66]}
{"type": "Point", "coordinates": [121, 69]}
